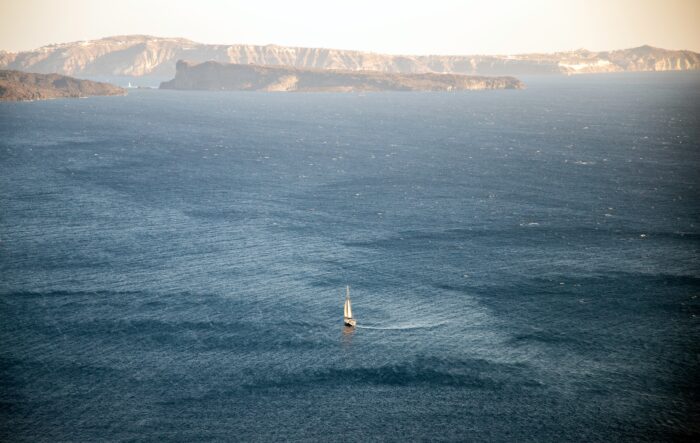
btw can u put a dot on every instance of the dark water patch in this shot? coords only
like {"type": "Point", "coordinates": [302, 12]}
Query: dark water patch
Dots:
{"type": "Point", "coordinates": [178, 321]}
{"type": "Point", "coordinates": [473, 374]}
{"type": "Point", "coordinates": [525, 233]}
{"type": "Point", "coordinates": [218, 215]}
{"type": "Point", "coordinates": [549, 337]}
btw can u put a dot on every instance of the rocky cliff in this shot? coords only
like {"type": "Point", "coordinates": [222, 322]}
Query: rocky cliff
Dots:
{"type": "Point", "coordinates": [18, 86]}
{"type": "Point", "coordinates": [215, 76]}
{"type": "Point", "coordinates": [138, 55]}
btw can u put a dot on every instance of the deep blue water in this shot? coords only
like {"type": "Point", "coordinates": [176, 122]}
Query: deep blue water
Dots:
{"type": "Point", "coordinates": [524, 265]}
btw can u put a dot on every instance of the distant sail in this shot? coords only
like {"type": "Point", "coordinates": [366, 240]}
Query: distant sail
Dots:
{"type": "Point", "coordinates": [347, 311]}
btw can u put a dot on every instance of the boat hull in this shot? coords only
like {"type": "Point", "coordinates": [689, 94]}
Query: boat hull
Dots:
{"type": "Point", "coordinates": [349, 322]}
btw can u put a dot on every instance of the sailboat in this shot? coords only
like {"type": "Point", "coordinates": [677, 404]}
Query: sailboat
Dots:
{"type": "Point", "coordinates": [347, 310]}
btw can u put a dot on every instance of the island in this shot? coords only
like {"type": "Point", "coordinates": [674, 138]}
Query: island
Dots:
{"type": "Point", "coordinates": [214, 76]}
{"type": "Point", "coordinates": [24, 86]}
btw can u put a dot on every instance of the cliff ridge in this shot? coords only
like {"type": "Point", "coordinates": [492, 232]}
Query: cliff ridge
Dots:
{"type": "Point", "coordinates": [143, 55]}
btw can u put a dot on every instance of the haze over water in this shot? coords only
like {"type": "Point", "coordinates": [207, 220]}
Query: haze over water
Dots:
{"type": "Point", "coordinates": [523, 264]}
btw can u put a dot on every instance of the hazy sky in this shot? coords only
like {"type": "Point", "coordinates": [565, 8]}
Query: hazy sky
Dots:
{"type": "Point", "coordinates": [399, 27]}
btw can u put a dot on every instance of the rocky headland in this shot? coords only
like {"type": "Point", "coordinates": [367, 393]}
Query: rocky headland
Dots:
{"type": "Point", "coordinates": [24, 86]}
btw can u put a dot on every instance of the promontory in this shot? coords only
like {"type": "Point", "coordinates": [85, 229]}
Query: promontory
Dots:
{"type": "Point", "coordinates": [214, 76]}
{"type": "Point", "coordinates": [24, 86]}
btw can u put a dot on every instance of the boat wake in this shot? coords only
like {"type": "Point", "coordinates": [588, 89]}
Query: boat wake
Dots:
{"type": "Point", "coordinates": [402, 327]}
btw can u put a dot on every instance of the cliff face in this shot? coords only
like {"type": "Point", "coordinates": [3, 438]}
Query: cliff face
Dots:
{"type": "Point", "coordinates": [19, 86]}
{"type": "Point", "coordinates": [215, 76]}
{"type": "Point", "coordinates": [139, 55]}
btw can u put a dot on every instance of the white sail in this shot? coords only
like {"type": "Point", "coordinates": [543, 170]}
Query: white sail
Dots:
{"type": "Point", "coordinates": [347, 309]}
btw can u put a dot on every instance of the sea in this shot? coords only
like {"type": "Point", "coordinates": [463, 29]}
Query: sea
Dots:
{"type": "Point", "coordinates": [524, 265]}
